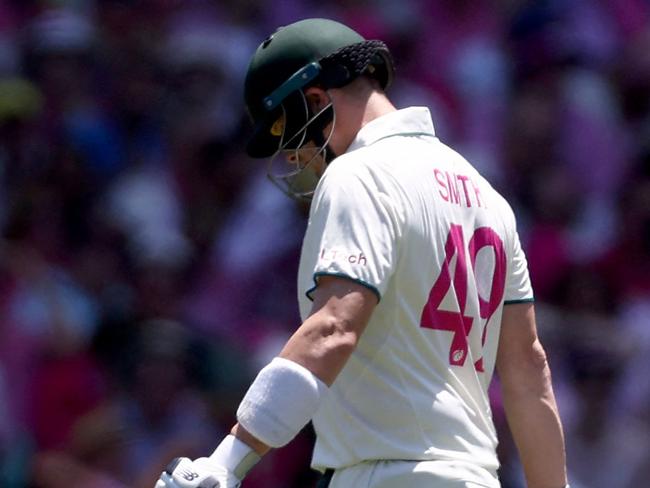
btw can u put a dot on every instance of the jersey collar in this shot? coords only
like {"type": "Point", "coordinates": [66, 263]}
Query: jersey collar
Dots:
{"type": "Point", "coordinates": [407, 121]}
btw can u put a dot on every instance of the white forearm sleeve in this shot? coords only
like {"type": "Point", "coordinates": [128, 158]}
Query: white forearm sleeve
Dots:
{"type": "Point", "coordinates": [280, 402]}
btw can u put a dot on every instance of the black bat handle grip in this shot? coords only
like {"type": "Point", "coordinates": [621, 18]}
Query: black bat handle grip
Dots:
{"type": "Point", "coordinates": [172, 465]}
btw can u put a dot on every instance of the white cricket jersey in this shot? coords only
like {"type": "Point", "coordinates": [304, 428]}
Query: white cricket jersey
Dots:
{"type": "Point", "coordinates": [411, 219]}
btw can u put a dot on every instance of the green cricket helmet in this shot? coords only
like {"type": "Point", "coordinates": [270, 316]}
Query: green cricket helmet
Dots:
{"type": "Point", "coordinates": [306, 53]}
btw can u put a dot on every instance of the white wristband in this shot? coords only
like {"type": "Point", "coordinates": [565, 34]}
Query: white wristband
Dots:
{"type": "Point", "coordinates": [280, 402]}
{"type": "Point", "coordinates": [235, 455]}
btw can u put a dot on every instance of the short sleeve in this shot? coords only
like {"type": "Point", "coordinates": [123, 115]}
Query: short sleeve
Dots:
{"type": "Point", "coordinates": [518, 285]}
{"type": "Point", "coordinates": [353, 230]}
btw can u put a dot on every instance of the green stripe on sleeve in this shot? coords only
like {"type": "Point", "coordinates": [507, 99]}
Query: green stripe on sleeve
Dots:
{"type": "Point", "coordinates": [523, 300]}
{"type": "Point", "coordinates": [309, 292]}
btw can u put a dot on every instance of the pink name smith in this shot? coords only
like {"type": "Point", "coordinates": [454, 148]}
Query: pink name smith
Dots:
{"type": "Point", "coordinates": [458, 189]}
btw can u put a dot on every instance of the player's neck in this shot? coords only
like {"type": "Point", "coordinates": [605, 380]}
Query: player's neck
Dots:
{"type": "Point", "coordinates": [377, 106]}
{"type": "Point", "coordinates": [355, 107]}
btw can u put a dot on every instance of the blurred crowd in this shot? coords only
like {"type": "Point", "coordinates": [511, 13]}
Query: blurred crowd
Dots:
{"type": "Point", "coordinates": [147, 267]}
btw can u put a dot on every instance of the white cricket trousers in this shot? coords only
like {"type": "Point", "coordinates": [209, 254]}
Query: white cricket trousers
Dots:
{"type": "Point", "coordinates": [414, 474]}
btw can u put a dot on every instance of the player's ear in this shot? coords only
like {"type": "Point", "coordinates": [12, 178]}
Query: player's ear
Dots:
{"type": "Point", "coordinates": [317, 98]}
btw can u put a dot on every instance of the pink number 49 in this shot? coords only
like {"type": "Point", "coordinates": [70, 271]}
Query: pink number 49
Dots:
{"type": "Point", "coordinates": [457, 322]}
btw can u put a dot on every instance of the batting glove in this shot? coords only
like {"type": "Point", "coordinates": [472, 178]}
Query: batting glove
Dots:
{"type": "Point", "coordinates": [185, 473]}
{"type": "Point", "coordinates": [225, 468]}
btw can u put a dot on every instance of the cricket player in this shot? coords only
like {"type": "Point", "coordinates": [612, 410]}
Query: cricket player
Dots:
{"type": "Point", "coordinates": [413, 288]}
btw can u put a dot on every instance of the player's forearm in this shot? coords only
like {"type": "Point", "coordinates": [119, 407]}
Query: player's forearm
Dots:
{"type": "Point", "coordinates": [321, 345]}
{"type": "Point", "coordinates": [247, 438]}
{"type": "Point", "coordinates": [288, 391]}
{"type": "Point", "coordinates": [536, 428]}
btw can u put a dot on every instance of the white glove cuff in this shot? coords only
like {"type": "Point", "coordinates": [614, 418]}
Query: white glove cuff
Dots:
{"type": "Point", "coordinates": [280, 402]}
{"type": "Point", "coordinates": [235, 455]}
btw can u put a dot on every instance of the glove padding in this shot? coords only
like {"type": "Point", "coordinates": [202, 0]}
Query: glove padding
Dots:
{"type": "Point", "coordinates": [201, 473]}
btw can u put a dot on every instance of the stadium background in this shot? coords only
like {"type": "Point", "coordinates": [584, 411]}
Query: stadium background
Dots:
{"type": "Point", "coordinates": [147, 267]}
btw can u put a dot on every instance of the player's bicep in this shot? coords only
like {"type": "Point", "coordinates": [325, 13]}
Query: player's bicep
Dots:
{"type": "Point", "coordinates": [520, 354]}
{"type": "Point", "coordinates": [347, 301]}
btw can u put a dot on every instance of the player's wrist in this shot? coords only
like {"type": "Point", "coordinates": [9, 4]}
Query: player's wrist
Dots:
{"type": "Point", "coordinates": [234, 455]}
